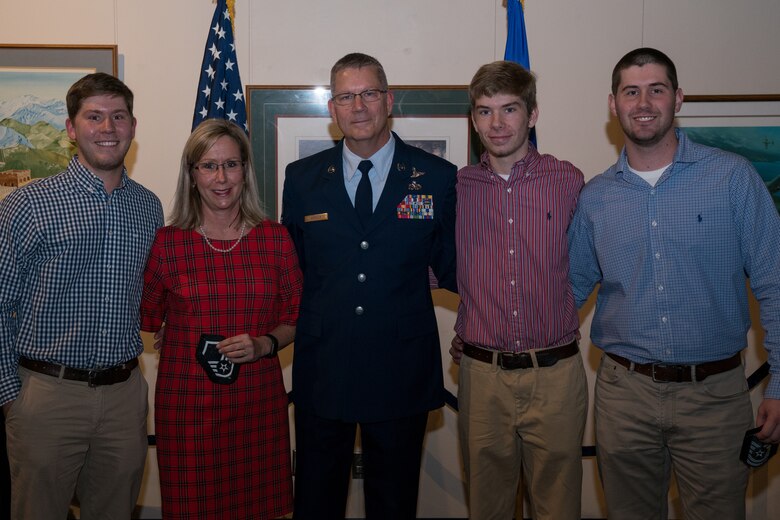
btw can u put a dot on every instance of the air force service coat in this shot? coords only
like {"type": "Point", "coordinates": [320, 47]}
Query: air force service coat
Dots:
{"type": "Point", "coordinates": [367, 345]}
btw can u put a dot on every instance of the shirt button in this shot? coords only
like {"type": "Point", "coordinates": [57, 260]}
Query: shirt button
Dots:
{"type": "Point", "coordinates": [660, 287]}
{"type": "Point", "coordinates": [657, 255]}
{"type": "Point", "coordinates": [663, 320]}
{"type": "Point", "coordinates": [654, 223]}
{"type": "Point", "coordinates": [512, 283]}
{"type": "Point", "coordinates": [361, 277]}
{"type": "Point", "coordinates": [511, 251]}
{"type": "Point", "coordinates": [652, 192]}
{"type": "Point", "coordinates": [364, 245]}
{"type": "Point", "coordinates": [517, 343]}
{"type": "Point", "coordinates": [509, 190]}
{"type": "Point", "coordinates": [511, 221]}
{"type": "Point", "coordinates": [359, 310]}
{"type": "Point", "coordinates": [514, 313]}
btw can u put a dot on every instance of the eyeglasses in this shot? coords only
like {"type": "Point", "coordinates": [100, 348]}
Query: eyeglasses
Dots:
{"type": "Point", "coordinates": [211, 167]}
{"type": "Point", "coordinates": [371, 95]}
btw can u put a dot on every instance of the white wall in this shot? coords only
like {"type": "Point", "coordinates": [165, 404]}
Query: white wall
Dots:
{"type": "Point", "coordinates": [719, 46]}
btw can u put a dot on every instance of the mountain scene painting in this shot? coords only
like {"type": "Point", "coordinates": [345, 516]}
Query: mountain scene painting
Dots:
{"type": "Point", "coordinates": [758, 144]}
{"type": "Point", "coordinates": [33, 139]}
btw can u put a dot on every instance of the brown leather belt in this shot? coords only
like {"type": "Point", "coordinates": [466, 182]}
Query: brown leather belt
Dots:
{"type": "Point", "coordinates": [514, 360]}
{"type": "Point", "coordinates": [663, 373]}
{"type": "Point", "coordinates": [106, 376]}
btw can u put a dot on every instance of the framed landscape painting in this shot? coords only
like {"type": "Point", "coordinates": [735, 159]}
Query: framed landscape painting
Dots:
{"type": "Point", "coordinates": [33, 82]}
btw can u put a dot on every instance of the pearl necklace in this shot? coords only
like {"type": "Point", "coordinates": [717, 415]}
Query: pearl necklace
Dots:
{"type": "Point", "coordinates": [229, 249]}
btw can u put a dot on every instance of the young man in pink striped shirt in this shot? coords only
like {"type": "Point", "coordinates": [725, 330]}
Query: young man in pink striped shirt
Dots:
{"type": "Point", "coordinates": [522, 390]}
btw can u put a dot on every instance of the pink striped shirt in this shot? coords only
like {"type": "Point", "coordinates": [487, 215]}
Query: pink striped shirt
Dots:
{"type": "Point", "coordinates": [513, 263]}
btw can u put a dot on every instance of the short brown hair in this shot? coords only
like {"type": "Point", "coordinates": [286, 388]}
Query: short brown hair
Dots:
{"type": "Point", "coordinates": [357, 60]}
{"type": "Point", "coordinates": [641, 57]}
{"type": "Point", "coordinates": [187, 212]}
{"type": "Point", "coordinates": [504, 77]}
{"type": "Point", "coordinates": [96, 84]}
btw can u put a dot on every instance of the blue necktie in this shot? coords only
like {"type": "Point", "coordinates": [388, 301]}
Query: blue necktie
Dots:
{"type": "Point", "coordinates": [364, 197]}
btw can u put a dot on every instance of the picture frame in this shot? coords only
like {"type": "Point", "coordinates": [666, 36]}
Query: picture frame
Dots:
{"type": "Point", "coordinates": [33, 82]}
{"type": "Point", "coordinates": [287, 123]}
{"type": "Point", "coordinates": [100, 58]}
{"type": "Point", "coordinates": [748, 125]}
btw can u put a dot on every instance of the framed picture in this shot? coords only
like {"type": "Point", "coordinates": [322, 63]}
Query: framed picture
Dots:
{"type": "Point", "coordinates": [33, 82]}
{"type": "Point", "coordinates": [289, 123]}
{"type": "Point", "coordinates": [748, 125]}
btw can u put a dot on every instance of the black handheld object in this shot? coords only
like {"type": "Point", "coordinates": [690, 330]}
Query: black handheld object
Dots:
{"type": "Point", "coordinates": [217, 366]}
{"type": "Point", "coordinates": [754, 452]}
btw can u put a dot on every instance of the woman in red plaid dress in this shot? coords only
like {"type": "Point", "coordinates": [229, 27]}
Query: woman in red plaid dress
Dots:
{"type": "Point", "coordinates": [221, 268]}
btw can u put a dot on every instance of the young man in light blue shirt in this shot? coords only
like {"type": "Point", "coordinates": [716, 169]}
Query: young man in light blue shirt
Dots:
{"type": "Point", "coordinates": [671, 232]}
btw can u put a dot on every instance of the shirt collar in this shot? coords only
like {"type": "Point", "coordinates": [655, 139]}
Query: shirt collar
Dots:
{"type": "Point", "coordinates": [381, 160]}
{"type": "Point", "coordinates": [89, 180]}
{"type": "Point", "coordinates": [527, 163]}
{"type": "Point", "coordinates": [685, 153]}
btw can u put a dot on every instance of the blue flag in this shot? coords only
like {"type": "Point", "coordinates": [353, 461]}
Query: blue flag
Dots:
{"type": "Point", "coordinates": [516, 42]}
{"type": "Point", "coordinates": [220, 94]}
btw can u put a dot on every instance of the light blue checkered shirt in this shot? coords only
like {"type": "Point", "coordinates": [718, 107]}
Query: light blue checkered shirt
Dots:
{"type": "Point", "coordinates": [672, 259]}
{"type": "Point", "coordinates": [72, 261]}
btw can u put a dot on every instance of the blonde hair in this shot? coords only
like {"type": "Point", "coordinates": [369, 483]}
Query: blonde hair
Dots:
{"type": "Point", "coordinates": [187, 212]}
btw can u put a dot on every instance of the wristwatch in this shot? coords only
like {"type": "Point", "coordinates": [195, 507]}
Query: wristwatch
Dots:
{"type": "Point", "coordinates": [274, 345]}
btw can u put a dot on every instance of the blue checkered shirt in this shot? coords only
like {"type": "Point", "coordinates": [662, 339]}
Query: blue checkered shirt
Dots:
{"type": "Point", "coordinates": [672, 260]}
{"type": "Point", "coordinates": [72, 261]}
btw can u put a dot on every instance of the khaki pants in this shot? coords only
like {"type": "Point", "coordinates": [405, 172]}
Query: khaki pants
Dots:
{"type": "Point", "coordinates": [528, 420]}
{"type": "Point", "coordinates": [65, 436]}
{"type": "Point", "coordinates": [644, 429]}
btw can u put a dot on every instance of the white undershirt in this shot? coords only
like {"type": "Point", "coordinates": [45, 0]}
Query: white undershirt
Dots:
{"type": "Point", "coordinates": [652, 176]}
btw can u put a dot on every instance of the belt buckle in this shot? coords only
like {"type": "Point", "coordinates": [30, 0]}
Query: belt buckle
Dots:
{"type": "Point", "coordinates": [519, 356]}
{"type": "Point", "coordinates": [97, 378]}
{"type": "Point", "coordinates": [678, 372]}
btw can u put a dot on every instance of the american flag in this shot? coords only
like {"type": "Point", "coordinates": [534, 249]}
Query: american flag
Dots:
{"type": "Point", "coordinates": [220, 94]}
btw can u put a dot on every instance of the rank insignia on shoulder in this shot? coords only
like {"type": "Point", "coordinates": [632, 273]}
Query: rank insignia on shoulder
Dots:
{"type": "Point", "coordinates": [416, 206]}
{"type": "Point", "coordinates": [414, 186]}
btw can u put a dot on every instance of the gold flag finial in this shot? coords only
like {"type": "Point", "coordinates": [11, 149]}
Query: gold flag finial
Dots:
{"type": "Point", "coordinates": [231, 5]}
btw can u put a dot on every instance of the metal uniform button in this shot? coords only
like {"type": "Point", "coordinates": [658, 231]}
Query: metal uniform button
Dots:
{"type": "Point", "coordinates": [358, 310]}
{"type": "Point", "coordinates": [364, 245]}
{"type": "Point", "coordinates": [361, 277]}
